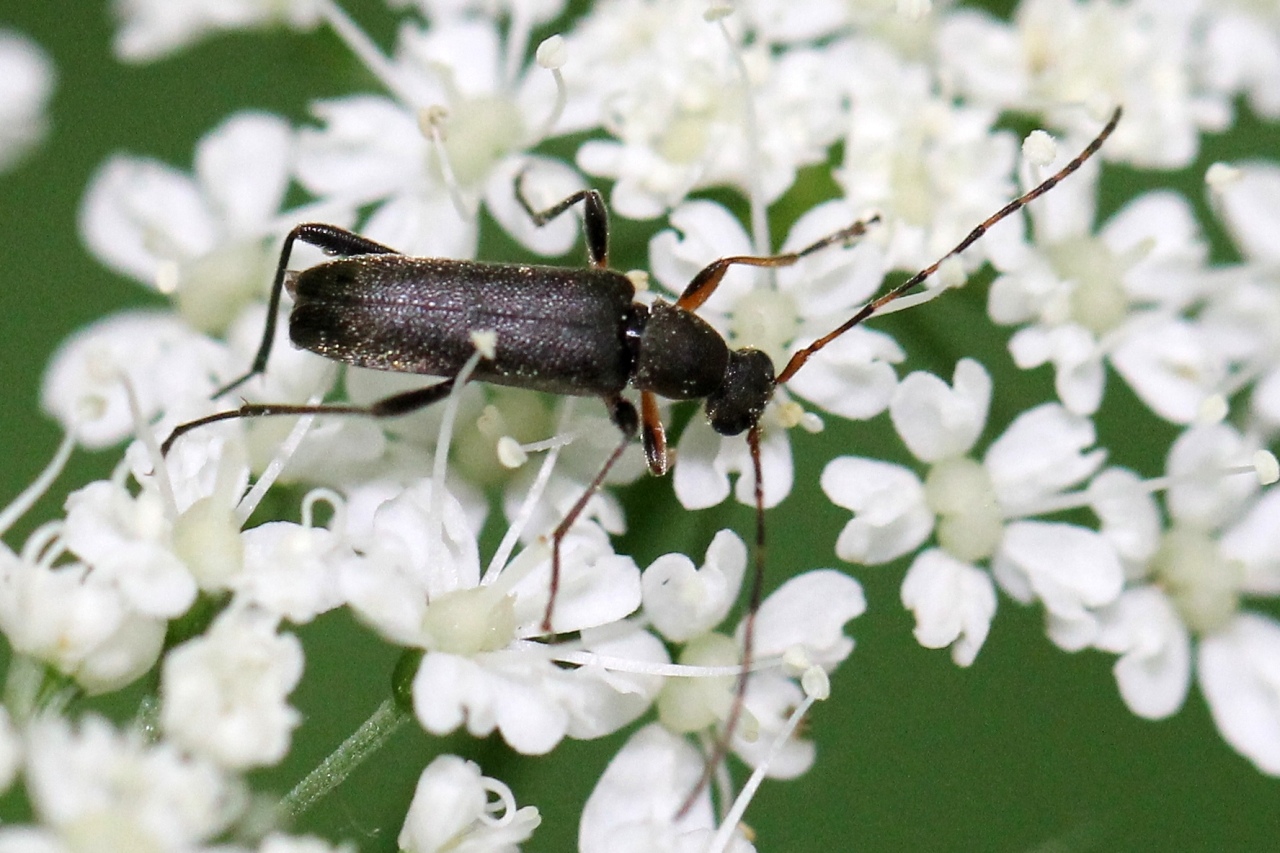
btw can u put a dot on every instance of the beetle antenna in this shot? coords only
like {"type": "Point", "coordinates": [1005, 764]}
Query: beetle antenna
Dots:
{"type": "Point", "coordinates": [798, 360]}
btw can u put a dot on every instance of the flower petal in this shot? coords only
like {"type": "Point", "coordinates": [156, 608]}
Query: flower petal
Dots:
{"type": "Point", "coordinates": [1239, 674]}
{"type": "Point", "coordinates": [890, 517]}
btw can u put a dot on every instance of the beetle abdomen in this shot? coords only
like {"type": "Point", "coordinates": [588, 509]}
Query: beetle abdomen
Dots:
{"type": "Point", "coordinates": [558, 330]}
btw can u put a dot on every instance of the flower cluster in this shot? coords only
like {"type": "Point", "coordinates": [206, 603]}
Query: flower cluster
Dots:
{"type": "Point", "coordinates": [707, 119]}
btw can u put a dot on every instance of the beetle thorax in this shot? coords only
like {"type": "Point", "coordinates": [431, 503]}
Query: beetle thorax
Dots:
{"type": "Point", "coordinates": [680, 356]}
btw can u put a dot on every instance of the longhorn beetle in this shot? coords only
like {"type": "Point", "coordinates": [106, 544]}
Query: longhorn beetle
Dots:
{"type": "Point", "coordinates": [562, 330]}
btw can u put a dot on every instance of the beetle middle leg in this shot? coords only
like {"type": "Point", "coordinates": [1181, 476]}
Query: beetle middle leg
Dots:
{"type": "Point", "coordinates": [595, 219]}
{"type": "Point", "coordinates": [332, 240]}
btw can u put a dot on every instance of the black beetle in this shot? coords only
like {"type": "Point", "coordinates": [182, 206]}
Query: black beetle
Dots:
{"type": "Point", "coordinates": [573, 331]}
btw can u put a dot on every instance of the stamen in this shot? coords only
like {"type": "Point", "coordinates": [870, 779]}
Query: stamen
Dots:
{"type": "Point", "coordinates": [1220, 176]}
{"type": "Point", "coordinates": [510, 454]}
{"type": "Point", "coordinates": [816, 687]}
{"type": "Point", "coordinates": [1040, 149]}
{"type": "Point", "coordinates": [435, 511]}
{"type": "Point", "coordinates": [760, 239]}
{"type": "Point", "coordinates": [142, 430]}
{"type": "Point", "coordinates": [561, 440]}
{"type": "Point", "coordinates": [512, 536]}
{"type": "Point", "coordinates": [364, 48]}
{"type": "Point", "coordinates": [1262, 465]}
{"type": "Point", "coordinates": [502, 811]}
{"type": "Point", "coordinates": [19, 506]}
{"type": "Point", "coordinates": [934, 287]}
{"type": "Point", "coordinates": [431, 122]}
{"type": "Point", "coordinates": [1266, 467]}
{"type": "Point", "coordinates": [1213, 409]}
{"type": "Point", "coordinates": [667, 670]}
{"type": "Point", "coordinates": [274, 468]}
{"type": "Point", "coordinates": [168, 276]}
{"type": "Point", "coordinates": [44, 546]}
{"type": "Point", "coordinates": [329, 496]}
{"type": "Point", "coordinates": [552, 55]}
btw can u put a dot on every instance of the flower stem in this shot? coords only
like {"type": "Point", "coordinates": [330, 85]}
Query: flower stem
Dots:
{"type": "Point", "coordinates": [366, 740]}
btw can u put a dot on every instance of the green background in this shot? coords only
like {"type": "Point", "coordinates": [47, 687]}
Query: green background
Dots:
{"type": "Point", "coordinates": [1029, 749]}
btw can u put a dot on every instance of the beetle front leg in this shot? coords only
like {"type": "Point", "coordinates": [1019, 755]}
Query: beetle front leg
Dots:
{"type": "Point", "coordinates": [329, 238]}
{"type": "Point", "coordinates": [706, 281]}
{"type": "Point", "coordinates": [653, 435]}
{"type": "Point", "coordinates": [624, 417]}
{"type": "Point", "coordinates": [595, 219]}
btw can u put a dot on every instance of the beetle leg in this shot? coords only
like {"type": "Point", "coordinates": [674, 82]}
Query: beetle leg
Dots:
{"type": "Point", "coordinates": [624, 417]}
{"type": "Point", "coordinates": [330, 238]}
{"type": "Point", "coordinates": [653, 434]}
{"type": "Point", "coordinates": [706, 281]}
{"type": "Point", "coordinates": [595, 219]}
{"type": "Point", "coordinates": [388, 407]}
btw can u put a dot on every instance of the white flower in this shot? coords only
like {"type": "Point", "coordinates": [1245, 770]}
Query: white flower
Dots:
{"type": "Point", "coordinates": [279, 843]}
{"type": "Point", "coordinates": [666, 85]}
{"type": "Point", "coordinates": [802, 620]}
{"type": "Point", "coordinates": [160, 358]}
{"type": "Point", "coordinates": [1184, 602]}
{"type": "Point", "coordinates": [92, 782]}
{"type": "Point", "coordinates": [683, 601]}
{"type": "Point", "coordinates": [454, 100]}
{"type": "Point", "coordinates": [151, 29]}
{"type": "Point", "coordinates": [1081, 299]}
{"type": "Point", "coordinates": [1240, 680]}
{"type": "Point", "coordinates": [224, 692]}
{"type": "Point", "coordinates": [1240, 53]}
{"type": "Point", "coordinates": [289, 570]}
{"type": "Point", "coordinates": [1247, 206]}
{"type": "Point", "coordinates": [76, 621]}
{"type": "Point", "coordinates": [979, 511]}
{"type": "Point", "coordinates": [10, 751]}
{"type": "Point", "coordinates": [423, 590]}
{"type": "Point", "coordinates": [526, 12]}
{"type": "Point", "coordinates": [1154, 668]}
{"type": "Point", "coordinates": [890, 516]}
{"type": "Point", "coordinates": [1243, 312]}
{"type": "Point", "coordinates": [26, 84]}
{"type": "Point", "coordinates": [207, 238]}
{"type": "Point", "coordinates": [451, 811]}
{"type": "Point", "coordinates": [953, 603]}
{"type": "Point", "coordinates": [633, 807]}
{"type": "Point", "coordinates": [1061, 55]}
{"type": "Point", "coordinates": [932, 167]}
{"type": "Point", "coordinates": [127, 538]}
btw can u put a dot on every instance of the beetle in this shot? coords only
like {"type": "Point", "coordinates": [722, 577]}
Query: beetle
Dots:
{"type": "Point", "coordinates": [571, 331]}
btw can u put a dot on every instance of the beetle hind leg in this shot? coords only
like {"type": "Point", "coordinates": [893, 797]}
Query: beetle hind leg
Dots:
{"type": "Point", "coordinates": [329, 238]}
{"type": "Point", "coordinates": [624, 417]}
{"type": "Point", "coordinates": [388, 407]}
